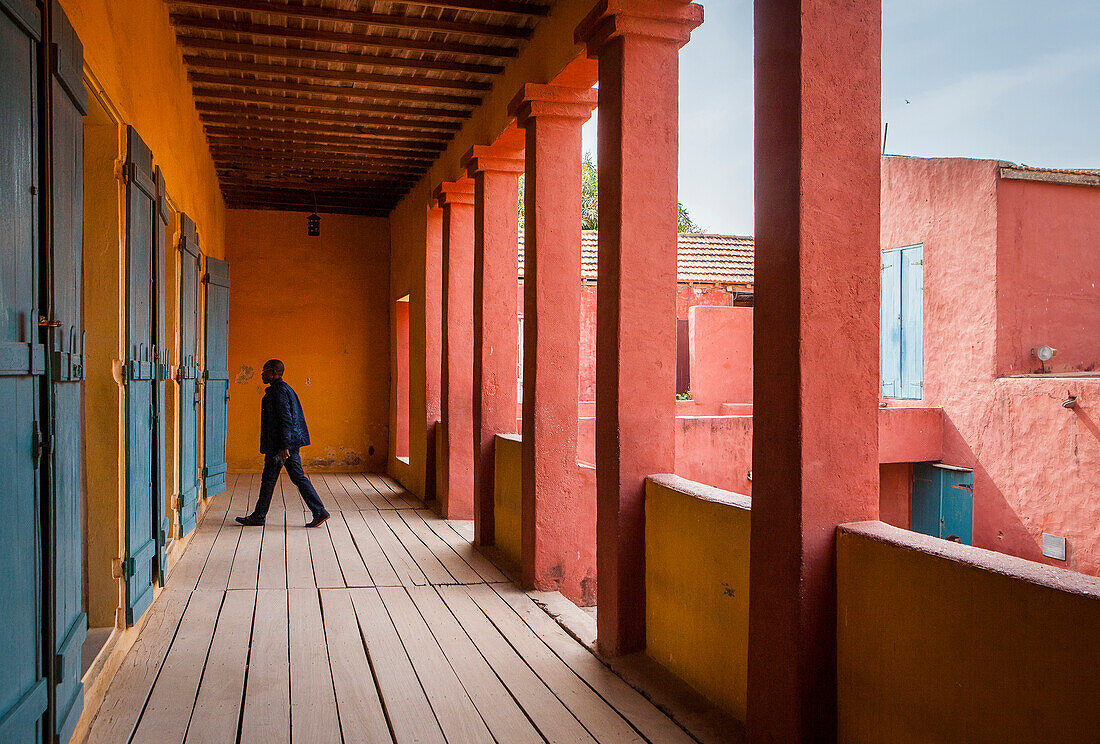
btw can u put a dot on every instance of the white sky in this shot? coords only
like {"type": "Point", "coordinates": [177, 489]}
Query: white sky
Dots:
{"type": "Point", "coordinates": [1012, 80]}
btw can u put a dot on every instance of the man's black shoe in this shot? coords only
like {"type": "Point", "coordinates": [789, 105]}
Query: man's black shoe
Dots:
{"type": "Point", "coordinates": [318, 519]}
{"type": "Point", "coordinates": [251, 521]}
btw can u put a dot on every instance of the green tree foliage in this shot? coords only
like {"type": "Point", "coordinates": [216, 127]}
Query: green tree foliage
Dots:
{"type": "Point", "coordinates": [590, 207]}
{"type": "Point", "coordinates": [590, 200]}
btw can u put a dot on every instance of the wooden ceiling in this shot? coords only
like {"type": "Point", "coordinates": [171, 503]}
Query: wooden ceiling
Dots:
{"type": "Point", "coordinates": [339, 105]}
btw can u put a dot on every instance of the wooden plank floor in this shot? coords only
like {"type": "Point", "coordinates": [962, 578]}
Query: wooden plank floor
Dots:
{"type": "Point", "coordinates": [383, 625]}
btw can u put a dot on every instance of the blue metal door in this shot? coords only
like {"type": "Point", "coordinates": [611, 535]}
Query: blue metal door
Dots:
{"type": "Point", "coordinates": [216, 376]}
{"type": "Point", "coordinates": [68, 624]}
{"type": "Point", "coordinates": [189, 371]}
{"type": "Point", "coordinates": [942, 502]}
{"type": "Point", "coordinates": [24, 693]}
{"type": "Point", "coordinates": [142, 522]}
{"type": "Point", "coordinates": [957, 499]}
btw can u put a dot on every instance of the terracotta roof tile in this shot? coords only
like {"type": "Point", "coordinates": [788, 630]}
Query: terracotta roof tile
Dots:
{"type": "Point", "coordinates": [702, 259]}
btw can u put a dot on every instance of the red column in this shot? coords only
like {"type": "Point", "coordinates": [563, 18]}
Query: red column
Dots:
{"type": "Point", "coordinates": [495, 170]}
{"type": "Point", "coordinates": [637, 45]}
{"type": "Point", "coordinates": [552, 515]}
{"type": "Point", "coordinates": [816, 357]}
{"type": "Point", "coordinates": [433, 340]}
{"type": "Point", "coordinates": [456, 492]}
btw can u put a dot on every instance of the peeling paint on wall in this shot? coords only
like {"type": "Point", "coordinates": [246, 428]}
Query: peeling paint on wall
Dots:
{"type": "Point", "coordinates": [336, 458]}
{"type": "Point", "coordinates": [245, 374]}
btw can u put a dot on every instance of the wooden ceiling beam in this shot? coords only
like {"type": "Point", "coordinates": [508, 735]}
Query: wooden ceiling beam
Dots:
{"type": "Point", "coordinates": [267, 207]}
{"type": "Point", "coordinates": [342, 184]}
{"type": "Point", "coordinates": [227, 155]}
{"type": "Point", "coordinates": [243, 177]}
{"type": "Point", "coordinates": [204, 78]}
{"type": "Point", "coordinates": [344, 58]}
{"type": "Point", "coordinates": [261, 133]}
{"type": "Point", "coordinates": [322, 197]}
{"type": "Point", "coordinates": [247, 158]}
{"type": "Point", "coordinates": [320, 73]}
{"type": "Point", "coordinates": [232, 93]}
{"type": "Point", "coordinates": [516, 7]}
{"type": "Point", "coordinates": [271, 124]}
{"type": "Point", "coordinates": [232, 139]}
{"type": "Point", "coordinates": [228, 94]}
{"type": "Point", "coordinates": [361, 18]}
{"type": "Point", "coordinates": [417, 126]}
{"type": "Point", "coordinates": [217, 25]}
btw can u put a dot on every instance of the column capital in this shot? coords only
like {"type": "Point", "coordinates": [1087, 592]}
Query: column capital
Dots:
{"type": "Point", "coordinates": [553, 101]}
{"type": "Point", "coordinates": [670, 20]}
{"type": "Point", "coordinates": [454, 192]}
{"type": "Point", "coordinates": [483, 159]}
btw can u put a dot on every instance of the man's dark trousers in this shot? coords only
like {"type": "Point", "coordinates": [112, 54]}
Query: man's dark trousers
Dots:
{"type": "Point", "coordinates": [272, 465]}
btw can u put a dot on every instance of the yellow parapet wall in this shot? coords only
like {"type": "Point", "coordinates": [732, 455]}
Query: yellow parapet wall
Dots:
{"type": "Point", "coordinates": [697, 587]}
{"type": "Point", "coordinates": [944, 642]}
{"type": "Point", "coordinates": [507, 497]}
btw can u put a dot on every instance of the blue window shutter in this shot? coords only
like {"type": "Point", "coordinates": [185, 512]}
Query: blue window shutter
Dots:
{"type": "Point", "coordinates": [891, 323]}
{"type": "Point", "coordinates": [912, 330]}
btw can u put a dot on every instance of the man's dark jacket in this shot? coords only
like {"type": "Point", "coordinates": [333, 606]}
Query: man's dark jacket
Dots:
{"type": "Point", "coordinates": [282, 422]}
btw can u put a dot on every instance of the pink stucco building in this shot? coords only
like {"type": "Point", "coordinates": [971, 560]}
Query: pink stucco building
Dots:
{"type": "Point", "coordinates": [1010, 264]}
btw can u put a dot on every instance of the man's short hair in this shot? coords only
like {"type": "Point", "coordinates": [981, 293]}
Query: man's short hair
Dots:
{"type": "Point", "coordinates": [275, 366]}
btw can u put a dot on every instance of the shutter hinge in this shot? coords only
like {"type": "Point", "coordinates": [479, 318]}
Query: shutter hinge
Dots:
{"type": "Point", "coordinates": [40, 444]}
{"type": "Point", "coordinates": [36, 443]}
{"type": "Point", "coordinates": [118, 568]}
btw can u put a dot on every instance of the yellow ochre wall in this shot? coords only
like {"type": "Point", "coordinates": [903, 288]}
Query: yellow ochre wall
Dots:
{"type": "Point", "coordinates": [507, 496]}
{"type": "Point", "coordinates": [102, 254]}
{"type": "Point", "coordinates": [321, 306]}
{"type": "Point", "coordinates": [944, 642]}
{"type": "Point", "coordinates": [697, 587]}
{"type": "Point", "coordinates": [131, 50]}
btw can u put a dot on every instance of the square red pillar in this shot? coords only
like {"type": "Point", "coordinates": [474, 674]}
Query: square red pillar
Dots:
{"type": "Point", "coordinates": [433, 343]}
{"type": "Point", "coordinates": [816, 345]}
{"type": "Point", "coordinates": [495, 170]}
{"type": "Point", "coordinates": [637, 44]}
{"type": "Point", "coordinates": [557, 552]}
{"type": "Point", "coordinates": [456, 492]}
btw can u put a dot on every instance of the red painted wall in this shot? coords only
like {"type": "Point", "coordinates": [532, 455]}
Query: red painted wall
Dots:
{"type": "Point", "coordinates": [1048, 272]}
{"type": "Point", "coordinates": [895, 482]}
{"type": "Point", "coordinates": [1036, 464]}
{"type": "Point", "coordinates": [687, 297]}
{"type": "Point", "coordinates": [721, 354]}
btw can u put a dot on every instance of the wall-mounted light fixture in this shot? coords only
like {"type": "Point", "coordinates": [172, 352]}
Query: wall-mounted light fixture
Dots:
{"type": "Point", "coordinates": [1070, 401]}
{"type": "Point", "coordinates": [313, 222]}
{"type": "Point", "coordinates": [1044, 354]}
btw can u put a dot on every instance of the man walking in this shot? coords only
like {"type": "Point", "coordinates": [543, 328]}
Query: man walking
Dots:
{"type": "Point", "coordinates": [282, 432]}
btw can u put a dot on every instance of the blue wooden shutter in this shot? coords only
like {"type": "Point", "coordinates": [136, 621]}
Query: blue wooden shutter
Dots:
{"type": "Point", "coordinates": [891, 323]}
{"type": "Point", "coordinates": [64, 527]}
{"type": "Point", "coordinates": [912, 330]}
{"type": "Point", "coordinates": [216, 387]}
{"type": "Point", "coordinates": [24, 693]}
{"type": "Point", "coordinates": [189, 370]}
{"type": "Point", "coordinates": [142, 523]}
{"type": "Point", "coordinates": [160, 373]}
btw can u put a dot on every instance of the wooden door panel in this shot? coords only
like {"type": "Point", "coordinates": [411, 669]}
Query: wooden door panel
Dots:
{"type": "Point", "coordinates": [66, 359]}
{"type": "Point", "coordinates": [189, 375]}
{"type": "Point", "coordinates": [142, 525]}
{"type": "Point", "coordinates": [24, 692]}
{"type": "Point", "coordinates": [216, 376]}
